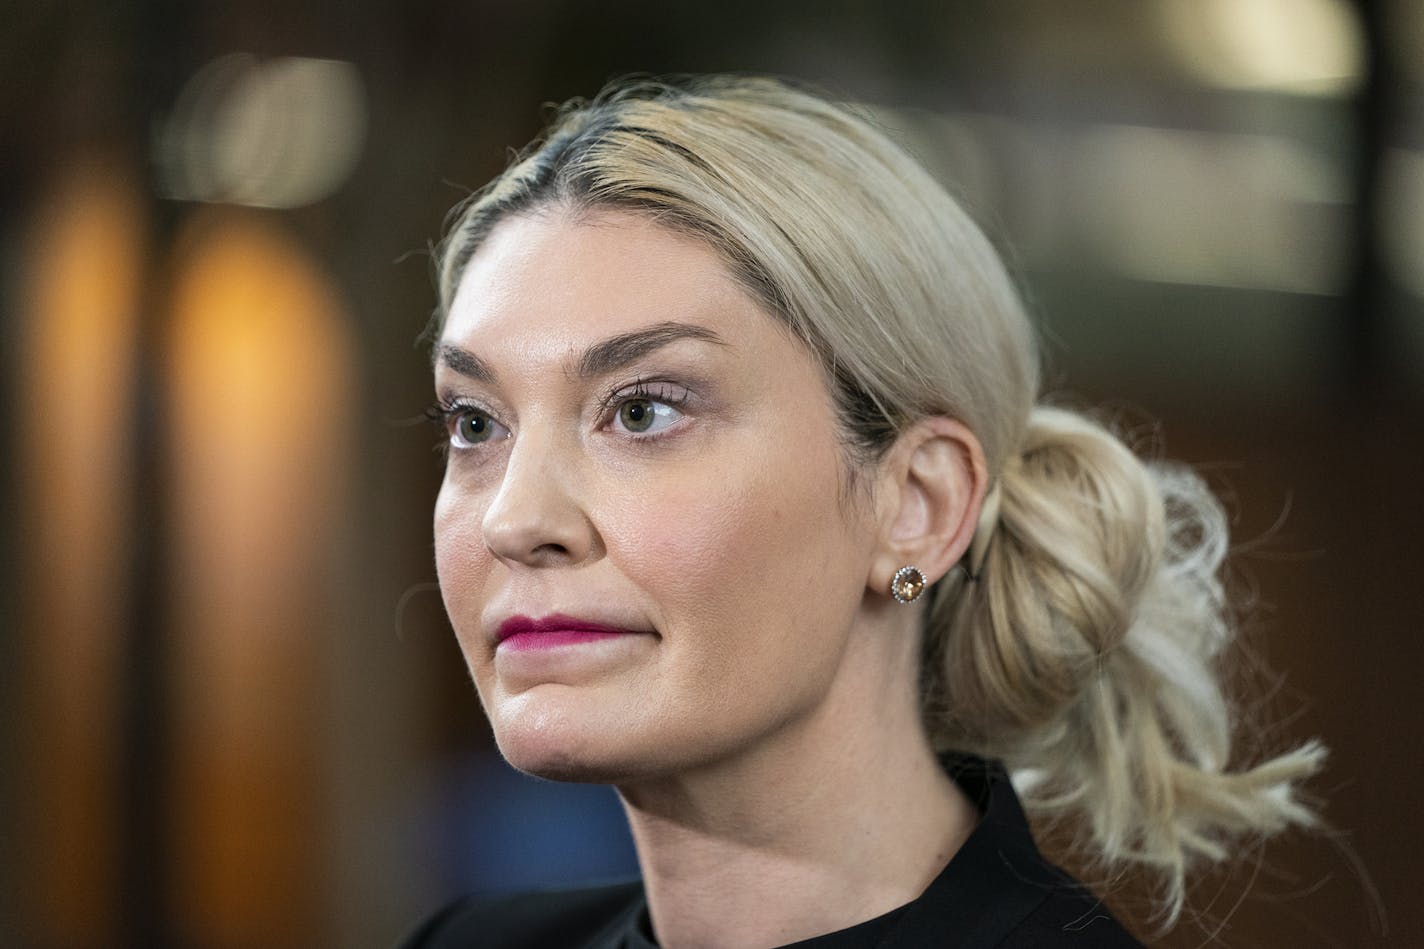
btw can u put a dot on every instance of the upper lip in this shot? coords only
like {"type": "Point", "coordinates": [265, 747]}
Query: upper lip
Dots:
{"type": "Point", "coordinates": [554, 622]}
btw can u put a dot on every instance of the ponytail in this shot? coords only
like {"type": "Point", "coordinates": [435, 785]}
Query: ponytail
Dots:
{"type": "Point", "coordinates": [1085, 657]}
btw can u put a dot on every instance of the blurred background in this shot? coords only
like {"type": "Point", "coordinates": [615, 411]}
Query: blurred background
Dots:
{"type": "Point", "coordinates": [233, 713]}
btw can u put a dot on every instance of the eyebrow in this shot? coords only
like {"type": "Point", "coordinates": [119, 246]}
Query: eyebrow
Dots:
{"type": "Point", "coordinates": [619, 351]}
{"type": "Point", "coordinates": [599, 359]}
{"type": "Point", "coordinates": [465, 363]}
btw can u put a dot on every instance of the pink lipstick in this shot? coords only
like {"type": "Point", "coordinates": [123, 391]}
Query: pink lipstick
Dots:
{"type": "Point", "coordinates": [521, 634]}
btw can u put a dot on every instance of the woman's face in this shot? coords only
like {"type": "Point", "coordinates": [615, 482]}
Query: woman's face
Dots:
{"type": "Point", "coordinates": [636, 445]}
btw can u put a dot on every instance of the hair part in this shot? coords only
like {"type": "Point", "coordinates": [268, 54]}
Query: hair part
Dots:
{"type": "Point", "coordinates": [1086, 656]}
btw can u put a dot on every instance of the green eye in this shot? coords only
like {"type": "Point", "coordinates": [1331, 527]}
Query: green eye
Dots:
{"type": "Point", "coordinates": [642, 415]}
{"type": "Point", "coordinates": [637, 415]}
{"type": "Point", "coordinates": [472, 428]}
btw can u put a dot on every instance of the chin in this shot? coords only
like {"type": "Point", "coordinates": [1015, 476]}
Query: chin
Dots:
{"type": "Point", "coordinates": [548, 741]}
{"type": "Point", "coordinates": [553, 760]}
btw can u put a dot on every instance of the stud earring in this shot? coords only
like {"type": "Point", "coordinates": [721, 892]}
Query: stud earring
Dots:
{"type": "Point", "coordinates": [908, 584]}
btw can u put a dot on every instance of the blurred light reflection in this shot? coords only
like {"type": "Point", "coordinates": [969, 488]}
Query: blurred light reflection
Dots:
{"type": "Point", "coordinates": [1247, 211]}
{"type": "Point", "coordinates": [280, 133]}
{"type": "Point", "coordinates": [260, 373]}
{"type": "Point", "coordinates": [82, 284]}
{"type": "Point", "coordinates": [1309, 47]}
{"type": "Point", "coordinates": [1401, 217]}
{"type": "Point", "coordinates": [1261, 212]}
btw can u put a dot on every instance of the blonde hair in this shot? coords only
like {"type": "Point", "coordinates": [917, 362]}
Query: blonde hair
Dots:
{"type": "Point", "coordinates": [1085, 656]}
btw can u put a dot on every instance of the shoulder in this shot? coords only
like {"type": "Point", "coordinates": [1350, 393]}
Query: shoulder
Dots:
{"type": "Point", "coordinates": [558, 918]}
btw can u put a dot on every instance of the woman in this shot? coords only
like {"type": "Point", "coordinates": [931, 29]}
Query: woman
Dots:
{"type": "Point", "coordinates": [750, 511]}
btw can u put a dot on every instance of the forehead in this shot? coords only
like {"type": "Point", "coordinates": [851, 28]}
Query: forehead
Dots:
{"type": "Point", "coordinates": [556, 280]}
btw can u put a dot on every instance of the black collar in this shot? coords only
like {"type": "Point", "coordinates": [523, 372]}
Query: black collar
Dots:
{"type": "Point", "coordinates": [993, 883]}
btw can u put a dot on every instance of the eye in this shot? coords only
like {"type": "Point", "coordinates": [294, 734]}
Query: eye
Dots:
{"type": "Point", "coordinates": [641, 415]}
{"type": "Point", "coordinates": [470, 427]}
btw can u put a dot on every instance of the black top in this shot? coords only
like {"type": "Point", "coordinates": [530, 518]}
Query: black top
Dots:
{"type": "Point", "coordinates": [996, 891]}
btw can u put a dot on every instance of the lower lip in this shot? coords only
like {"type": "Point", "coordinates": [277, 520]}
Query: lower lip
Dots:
{"type": "Point", "coordinates": [553, 639]}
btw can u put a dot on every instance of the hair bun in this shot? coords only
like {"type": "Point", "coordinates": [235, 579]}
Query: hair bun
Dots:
{"type": "Point", "coordinates": [1085, 657]}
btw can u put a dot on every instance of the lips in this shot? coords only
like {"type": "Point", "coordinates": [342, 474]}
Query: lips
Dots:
{"type": "Point", "coordinates": [522, 632]}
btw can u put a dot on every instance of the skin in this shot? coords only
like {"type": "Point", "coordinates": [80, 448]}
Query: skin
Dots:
{"type": "Point", "coordinates": [762, 727]}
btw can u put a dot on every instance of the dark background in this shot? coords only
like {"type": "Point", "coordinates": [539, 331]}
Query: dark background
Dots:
{"type": "Point", "coordinates": [233, 712]}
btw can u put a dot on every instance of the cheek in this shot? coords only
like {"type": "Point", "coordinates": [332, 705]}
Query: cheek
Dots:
{"type": "Point", "coordinates": [461, 558]}
{"type": "Point", "coordinates": [753, 563]}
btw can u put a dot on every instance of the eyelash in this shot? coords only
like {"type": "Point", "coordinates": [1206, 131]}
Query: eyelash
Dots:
{"type": "Point", "coordinates": [443, 413]}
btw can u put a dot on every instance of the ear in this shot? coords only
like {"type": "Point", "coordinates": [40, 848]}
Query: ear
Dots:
{"type": "Point", "coordinates": [932, 483]}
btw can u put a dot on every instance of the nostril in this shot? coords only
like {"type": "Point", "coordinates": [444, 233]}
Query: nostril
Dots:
{"type": "Point", "coordinates": [550, 554]}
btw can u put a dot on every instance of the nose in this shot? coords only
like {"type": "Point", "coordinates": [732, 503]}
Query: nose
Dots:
{"type": "Point", "coordinates": [535, 519]}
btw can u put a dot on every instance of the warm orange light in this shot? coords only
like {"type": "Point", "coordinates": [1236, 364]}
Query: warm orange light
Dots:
{"type": "Point", "coordinates": [79, 319]}
{"type": "Point", "coordinates": [260, 390]}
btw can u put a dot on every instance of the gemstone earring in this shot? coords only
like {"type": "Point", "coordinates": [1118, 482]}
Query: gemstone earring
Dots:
{"type": "Point", "coordinates": [908, 584]}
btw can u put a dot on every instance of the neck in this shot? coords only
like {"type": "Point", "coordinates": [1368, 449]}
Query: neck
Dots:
{"type": "Point", "coordinates": [835, 819]}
